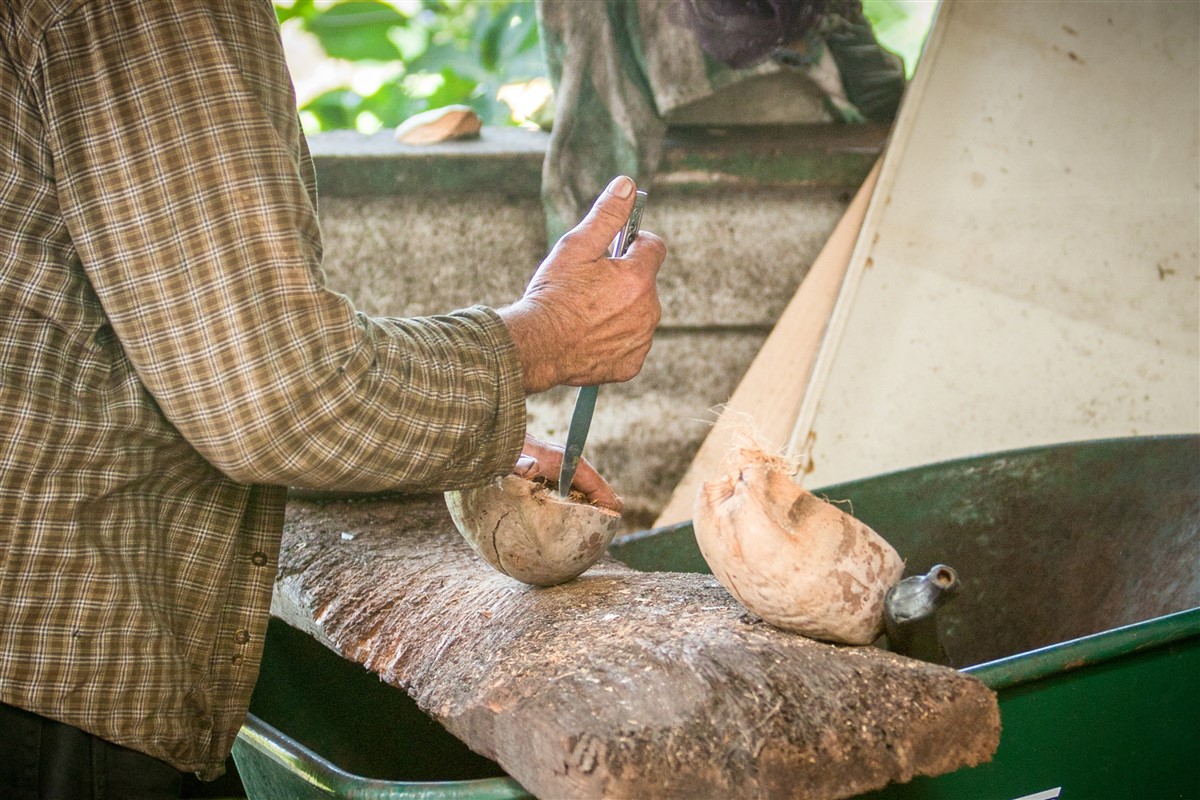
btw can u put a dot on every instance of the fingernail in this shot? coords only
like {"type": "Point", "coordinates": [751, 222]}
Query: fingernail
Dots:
{"type": "Point", "coordinates": [525, 465]}
{"type": "Point", "coordinates": [621, 186]}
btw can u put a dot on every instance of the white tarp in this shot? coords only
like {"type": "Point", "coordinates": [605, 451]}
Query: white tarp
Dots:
{"type": "Point", "coordinates": [1032, 255]}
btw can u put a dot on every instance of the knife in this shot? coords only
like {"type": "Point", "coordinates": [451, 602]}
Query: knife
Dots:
{"type": "Point", "coordinates": [585, 401]}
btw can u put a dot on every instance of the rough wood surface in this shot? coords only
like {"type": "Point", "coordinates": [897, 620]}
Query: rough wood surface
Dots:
{"type": "Point", "coordinates": [619, 684]}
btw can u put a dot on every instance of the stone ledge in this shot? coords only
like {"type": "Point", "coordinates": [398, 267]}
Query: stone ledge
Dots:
{"type": "Point", "coordinates": [350, 164]}
{"type": "Point", "coordinates": [509, 160]}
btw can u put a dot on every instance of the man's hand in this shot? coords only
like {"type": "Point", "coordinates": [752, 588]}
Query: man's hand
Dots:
{"type": "Point", "coordinates": [586, 318]}
{"type": "Point", "coordinates": [542, 460]}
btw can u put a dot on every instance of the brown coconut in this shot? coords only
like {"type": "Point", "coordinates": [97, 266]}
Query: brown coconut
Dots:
{"type": "Point", "coordinates": [528, 532]}
{"type": "Point", "coordinates": [799, 562]}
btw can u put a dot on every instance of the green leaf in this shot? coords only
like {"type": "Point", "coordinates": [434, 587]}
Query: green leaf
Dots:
{"type": "Point", "coordinates": [520, 34]}
{"type": "Point", "coordinates": [490, 30]}
{"type": "Point", "coordinates": [454, 89]}
{"type": "Point", "coordinates": [335, 109]}
{"type": "Point", "coordinates": [454, 51]}
{"type": "Point", "coordinates": [412, 40]}
{"type": "Point", "coordinates": [510, 47]}
{"type": "Point", "coordinates": [358, 30]}
{"type": "Point", "coordinates": [302, 9]}
{"type": "Point", "coordinates": [393, 104]}
{"type": "Point", "coordinates": [451, 56]}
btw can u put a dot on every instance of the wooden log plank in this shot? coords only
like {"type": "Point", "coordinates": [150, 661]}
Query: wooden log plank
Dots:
{"type": "Point", "coordinates": [619, 684]}
{"type": "Point", "coordinates": [769, 397]}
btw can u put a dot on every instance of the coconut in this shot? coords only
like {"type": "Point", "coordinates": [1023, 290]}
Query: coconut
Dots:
{"type": "Point", "coordinates": [797, 561]}
{"type": "Point", "coordinates": [528, 532]}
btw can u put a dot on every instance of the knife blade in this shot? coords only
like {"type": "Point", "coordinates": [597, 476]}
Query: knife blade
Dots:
{"type": "Point", "coordinates": [585, 401]}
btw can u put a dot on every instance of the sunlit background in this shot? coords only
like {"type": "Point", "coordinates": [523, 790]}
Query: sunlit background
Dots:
{"type": "Point", "coordinates": [370, 64]}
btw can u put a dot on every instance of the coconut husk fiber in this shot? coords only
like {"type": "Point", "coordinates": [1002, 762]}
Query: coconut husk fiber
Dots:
{"type": "Point", "coordinates": [619, 684]}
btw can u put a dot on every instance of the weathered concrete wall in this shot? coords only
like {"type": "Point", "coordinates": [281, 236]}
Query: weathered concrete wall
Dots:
{"type": "Point", "coordinates": [418, 231]}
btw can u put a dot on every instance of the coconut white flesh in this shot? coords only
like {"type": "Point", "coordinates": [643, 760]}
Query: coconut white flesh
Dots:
{"type": "Point", "coordinates": [528, 532]}
{"type": "Point", "coordinates": [800, 563]}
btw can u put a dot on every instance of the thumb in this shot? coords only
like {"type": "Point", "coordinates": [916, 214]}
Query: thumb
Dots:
{"type": "Point", "coordinates": [608, 214]}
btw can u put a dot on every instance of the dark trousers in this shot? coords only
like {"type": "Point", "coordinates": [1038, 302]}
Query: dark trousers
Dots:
{"type": "Point", "coordinates": [41, 759]}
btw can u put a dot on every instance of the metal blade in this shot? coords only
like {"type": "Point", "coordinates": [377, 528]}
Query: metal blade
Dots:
{"type": "Point", "coordinates": [581, 421]}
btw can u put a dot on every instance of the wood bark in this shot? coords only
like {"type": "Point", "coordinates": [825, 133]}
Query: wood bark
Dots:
{"type": "Point", "coordinates": [619, 684]}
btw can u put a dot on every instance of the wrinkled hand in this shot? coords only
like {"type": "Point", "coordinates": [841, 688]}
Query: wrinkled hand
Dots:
{"type": "Point", "coordinates": [542, 460]}
{"type": "Point", "coordinates": [585, 318]}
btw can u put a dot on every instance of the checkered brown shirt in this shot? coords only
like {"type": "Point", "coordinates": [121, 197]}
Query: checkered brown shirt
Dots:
{"type": "Point", "coordinates": [170, 358]}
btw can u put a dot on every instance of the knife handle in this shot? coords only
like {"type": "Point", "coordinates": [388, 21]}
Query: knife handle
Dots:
{"type": "Point", "coordinates": [629, 232]}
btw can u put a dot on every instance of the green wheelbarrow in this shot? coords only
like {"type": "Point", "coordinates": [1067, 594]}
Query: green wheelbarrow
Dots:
{"type": "Point", "coordinates": [1080, 606]}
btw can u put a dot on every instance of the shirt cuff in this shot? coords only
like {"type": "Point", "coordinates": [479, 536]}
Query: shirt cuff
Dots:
{"type": "Point", "coordinates": [500, 451]}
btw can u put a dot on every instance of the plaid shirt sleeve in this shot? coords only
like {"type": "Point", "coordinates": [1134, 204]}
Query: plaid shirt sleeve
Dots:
{"type": "Point", "coordinates": [181, 174]}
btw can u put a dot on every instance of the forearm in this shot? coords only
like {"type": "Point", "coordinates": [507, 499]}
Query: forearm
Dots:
{"type": "Point", "coordinates": [536, 341]}
{"type": "Point", "coordinates": [419, 404]}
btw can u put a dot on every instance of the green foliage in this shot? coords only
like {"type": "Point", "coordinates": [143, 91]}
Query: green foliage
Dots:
{"type": "Point", "coordinates": [440, 52]}
{"type": "Point", "coordinates": [901, 26]}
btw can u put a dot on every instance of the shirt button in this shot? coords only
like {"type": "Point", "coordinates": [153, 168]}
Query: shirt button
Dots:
{"type": "Point", "coordinates": [259, 559]}
{"type": "Point", "coordinates": [236, 660]}
{"type": "Point", "coordinates": [241, 636]}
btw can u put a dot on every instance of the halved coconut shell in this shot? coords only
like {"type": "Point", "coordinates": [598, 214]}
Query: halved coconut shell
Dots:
{"type": "Point", "coordinates": [800, 563]}
{"type": "Point", "coordinates": [528, 532]}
